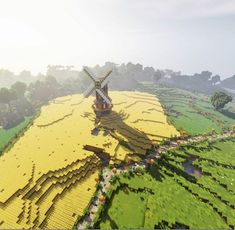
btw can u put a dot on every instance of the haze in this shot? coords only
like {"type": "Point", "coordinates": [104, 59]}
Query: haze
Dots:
{"type": "Point", "coordinates": [185, 35]}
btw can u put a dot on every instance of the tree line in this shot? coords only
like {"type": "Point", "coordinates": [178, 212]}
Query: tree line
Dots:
{"type": "Point", "coordinates": [21, 100]}
{"type": "Point", "coordinates": [126, 77]}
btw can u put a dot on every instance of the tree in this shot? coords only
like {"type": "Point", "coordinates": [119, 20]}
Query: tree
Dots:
{"type": "Point", "coordinates": [220, 99]}
{"type": "Point", "coordinates": [25, 76]}
{"type": "Point", "coordinates": [6, 96]}
{"type": "Point", "coordinates": [215, 79]}
{"type": "Point", "coordinates": [19, 88]}
{"type": "Point", "coordinates": [205, 75]}
{"type": "Point", "coordinates": [39, 92]}
{"type": "Point", "coordinates": [158, 75]}
{"type": "Point", "coordinates": [6, 78]}
{"type": "Point", "coordinates": [148, 73]}
{"type": "Point", "coordinates": [51, 81]}
{"type": "Point", "coordinates": [43, 91]}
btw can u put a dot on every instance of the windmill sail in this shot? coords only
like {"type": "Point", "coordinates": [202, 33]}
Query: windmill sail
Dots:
{"type": "Point", "coordinates": [106, 79]}
{"type": "Point", "coordinates": [103, 96]}
{"type": "Point", "coordinates": [89, 73]}
{"type": "Point", "coordinates": [89, 90]}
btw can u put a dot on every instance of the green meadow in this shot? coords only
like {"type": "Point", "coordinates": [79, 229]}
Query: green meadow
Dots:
{"type": "Point", "coordinates": [166, 196]}
{"type": "Point", "coordinates": [192, 112]}
{"type": "Point", "coordinates": [6, 135]}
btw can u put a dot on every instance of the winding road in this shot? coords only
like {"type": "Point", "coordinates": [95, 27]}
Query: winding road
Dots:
{"type": "Point", "coordinates": [88, 219]}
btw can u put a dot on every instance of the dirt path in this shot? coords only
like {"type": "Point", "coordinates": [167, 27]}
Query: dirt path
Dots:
{"type": "Point", "coordinates": [88, 219]}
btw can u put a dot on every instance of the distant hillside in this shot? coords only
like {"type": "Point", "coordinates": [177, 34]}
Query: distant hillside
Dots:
{"type": "Point", "coordinates": [125, 77]}
{"type": "Point", "coordinates": [229, 83]}
{"type": "Point", "coordinates": [8, 78]}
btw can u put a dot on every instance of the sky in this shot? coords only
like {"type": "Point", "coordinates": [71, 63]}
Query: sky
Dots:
{"type": "Point", "coordinates": [183, 35]}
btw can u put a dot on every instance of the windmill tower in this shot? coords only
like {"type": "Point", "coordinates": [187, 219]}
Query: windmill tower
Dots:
{"type": "Point", "coordinates": [103, 103]}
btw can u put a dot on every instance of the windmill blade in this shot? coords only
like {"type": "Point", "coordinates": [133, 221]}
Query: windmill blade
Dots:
{"type": "Point", "coordinates": [105, 79]}
{"type": "Point", "coordinates": [103, 96]}
{"type": "Point", "coordinates": [89, 73]}
{"type": "Point", "coordinates": [89, 90]}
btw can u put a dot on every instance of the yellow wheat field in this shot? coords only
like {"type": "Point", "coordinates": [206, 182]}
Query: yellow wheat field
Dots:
{"type": "Point", "coordinates": [48, 179]}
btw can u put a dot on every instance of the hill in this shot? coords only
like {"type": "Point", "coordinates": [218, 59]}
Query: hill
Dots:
{"type": "Point", "coordinates": [229, 83]}
{"type": "Point", "coordinates": [56, 174]}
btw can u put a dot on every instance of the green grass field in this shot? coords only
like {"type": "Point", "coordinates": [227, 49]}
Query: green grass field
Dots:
{"type": "Point", "coordinates": [192, 112]}
{"type": "Point", "coordinates": [165, 196]}
{"type": "Point", "coordinates": [126, 203]}
{"type": "Point", "coordinates": [7, 134]}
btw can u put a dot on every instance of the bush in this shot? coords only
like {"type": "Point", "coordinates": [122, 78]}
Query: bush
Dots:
{"type": "Point", "coordinates": [220, 99]}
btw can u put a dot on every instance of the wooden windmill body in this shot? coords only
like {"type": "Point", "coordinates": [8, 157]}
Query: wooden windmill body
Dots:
{"type": "Point", "coordinates": [102, 103]}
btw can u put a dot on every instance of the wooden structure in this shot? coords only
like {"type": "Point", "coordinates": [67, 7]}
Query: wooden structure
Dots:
{"type": "Point", "coordinates": [103, 103]}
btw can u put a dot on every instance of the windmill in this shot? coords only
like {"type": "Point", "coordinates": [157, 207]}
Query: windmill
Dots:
{"type": "Point", "coordinates": [103, 103]}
